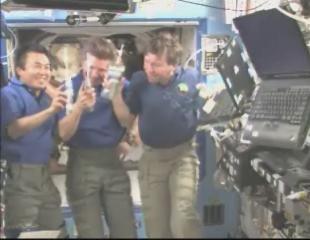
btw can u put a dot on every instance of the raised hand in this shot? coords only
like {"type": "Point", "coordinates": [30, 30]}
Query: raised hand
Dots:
{"type": "Point", "coordinates": [113, 87]}
{"type": "Point", "coordinates": [86, 98]}
{"type": "Point", "coordinates": [59, 100]}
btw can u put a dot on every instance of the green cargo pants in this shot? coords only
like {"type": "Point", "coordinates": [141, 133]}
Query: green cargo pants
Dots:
{"type": "Point", "coordinates": [168, 181]}
{"type": "Point", "coordinates": [96, 182]}
{"type": "Point", "coordinates": [32, 200]}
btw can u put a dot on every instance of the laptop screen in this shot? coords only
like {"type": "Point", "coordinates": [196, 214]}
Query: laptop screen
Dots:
{"type": "Point", "coordinates": [274, 44]}
{"type": "Point", "coordinates": [234, 71]}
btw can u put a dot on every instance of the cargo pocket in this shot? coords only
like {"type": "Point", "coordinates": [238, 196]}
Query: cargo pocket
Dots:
{"type": "Point", "coordinates": [13, 179]}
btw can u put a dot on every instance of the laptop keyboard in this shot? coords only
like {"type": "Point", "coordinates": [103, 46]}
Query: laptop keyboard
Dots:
{"type": "Point", "coordinates": [284, 105]}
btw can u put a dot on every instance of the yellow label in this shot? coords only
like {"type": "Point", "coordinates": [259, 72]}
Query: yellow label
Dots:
{"type": "Point", "coordinates": [183, 87]}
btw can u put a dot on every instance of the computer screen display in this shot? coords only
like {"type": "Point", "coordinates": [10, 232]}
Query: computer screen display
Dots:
{"type": "Point", "coordinates": [275, 44]}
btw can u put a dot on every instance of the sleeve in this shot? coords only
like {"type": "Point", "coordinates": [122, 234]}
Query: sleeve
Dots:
{"type": "Point", "coordinates": [201, 97]}
{"type": "Point", "coordinates": [199, 85]}
{"type": "Point", "coordinates": [133, 92]}
{"type": "Point", "coordinates": [12, 107]}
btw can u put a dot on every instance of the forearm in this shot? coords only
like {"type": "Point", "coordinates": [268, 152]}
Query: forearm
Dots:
{"type": "Point", "coordinates": [134, 129]}
{"type": "Point", "coordinates": [69, 124]}
{"type": "Point", "coordinates": [23, 125]}
{"type": "Point", "coordinates": [122, 111]}
{"type": "Point", "coordinates": [85, 101]}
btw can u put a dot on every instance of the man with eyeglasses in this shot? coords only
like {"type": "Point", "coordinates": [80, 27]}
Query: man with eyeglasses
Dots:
{"type": "Point", "coordinates": [28, 118]}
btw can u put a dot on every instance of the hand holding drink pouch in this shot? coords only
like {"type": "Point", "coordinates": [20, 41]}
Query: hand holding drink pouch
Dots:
{"type": "Point", "coordinates": [114, 76]}
{"type": "Point", "coordinates": [89, 91]}
{"type": "Point", "coordinates": [69, 92]}
{"type": "Point", "coordinates": [86, 98]}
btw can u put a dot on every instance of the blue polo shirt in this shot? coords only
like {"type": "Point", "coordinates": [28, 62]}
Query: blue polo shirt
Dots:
{"type": "Point", "coordinates": [98, 128]}
{"type": "Point", "coordinates": [167, 114]}
{"type": "Point", "coordinates": [35, 147]}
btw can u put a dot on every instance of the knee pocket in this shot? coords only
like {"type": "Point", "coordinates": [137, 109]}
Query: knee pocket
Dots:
{"type": "Point", "coordinates": [185, 208]}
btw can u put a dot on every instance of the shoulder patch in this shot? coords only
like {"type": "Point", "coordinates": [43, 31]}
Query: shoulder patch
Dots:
{"type": "Point", "coordinates": [183, 87]}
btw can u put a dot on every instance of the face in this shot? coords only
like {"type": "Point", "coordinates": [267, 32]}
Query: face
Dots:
{"type": "Point", "coordinates": [157, 69]}
{"type": "Point", "coordinates": [96, 69]}
{"type": "Point", "coordinates": [36, 72]}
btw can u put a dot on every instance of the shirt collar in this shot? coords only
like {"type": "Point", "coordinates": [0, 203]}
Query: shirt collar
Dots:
{"type": "Point", "coordinates": [98, 88]}
{"type": "Point", "coordinates": [178, 72]}
{"type": "Point", "coordinates": [17, 82]}
{"type": "Point", "coordinates": [176, 75]}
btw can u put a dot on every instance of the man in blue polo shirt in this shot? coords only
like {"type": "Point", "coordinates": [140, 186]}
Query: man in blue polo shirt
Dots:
{"type": "Point", "coordinates": [96, 179]}
{"type": "Point", "coordinates": [28, 118]}
{"type": "Point", "coordinates": [165, 99]}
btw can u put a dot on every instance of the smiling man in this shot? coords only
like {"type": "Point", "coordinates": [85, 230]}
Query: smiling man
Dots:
{"type": "Point", "coordinates": [28, 118]}
{"type": "Point", "coordinates": [165, 99]}
{"type": "Point", "coordinates": [96, 179]}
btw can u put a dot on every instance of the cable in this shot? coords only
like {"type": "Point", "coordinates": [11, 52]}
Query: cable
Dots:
{"type": "Point", "coordinates": [222, 8]}
{"type": "Point", "coordinates": [14, 44]}
{"type": "Point", "coordinates": [297, 18]}
{"type": "Point", "coordinates": [192, 57]}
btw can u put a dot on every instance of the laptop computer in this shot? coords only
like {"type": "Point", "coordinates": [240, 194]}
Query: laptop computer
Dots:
{"type": "Point", "coordinates": [280, 113]}
{"type": "Point", "coordinates": [239, 85]}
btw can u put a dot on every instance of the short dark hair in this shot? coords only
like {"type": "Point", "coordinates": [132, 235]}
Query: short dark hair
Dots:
{"type": "Point", "coordinates": [100, 48]}
{"type": "Point", "coordinates": [22, 51]}
{"type": "Point", "coordinates": [166, 45]}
